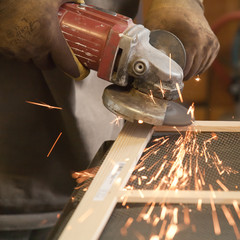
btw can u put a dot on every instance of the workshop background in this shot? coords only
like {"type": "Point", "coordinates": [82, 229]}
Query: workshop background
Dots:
{"type": "Point", "coordinates": [217, 95]}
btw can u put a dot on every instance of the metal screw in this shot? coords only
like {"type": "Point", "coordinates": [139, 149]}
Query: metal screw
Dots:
{"type": "Point", "coordinates": [139, 67]}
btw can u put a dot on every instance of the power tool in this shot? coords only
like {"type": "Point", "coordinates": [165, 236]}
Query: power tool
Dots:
{"type": "Point", "coordinates": [144, 66]}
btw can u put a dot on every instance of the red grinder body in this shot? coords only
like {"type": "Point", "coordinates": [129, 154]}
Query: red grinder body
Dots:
{"type": "Point", "coordinates": [93, 35]}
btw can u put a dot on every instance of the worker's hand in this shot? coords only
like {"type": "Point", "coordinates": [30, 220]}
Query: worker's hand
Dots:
{"type": "Point", "coordinates": [185, 19]}
{"type": "Point", "coordinates": [30, 31]}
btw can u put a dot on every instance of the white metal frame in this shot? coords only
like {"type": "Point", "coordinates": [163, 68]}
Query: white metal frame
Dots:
{"type": "Point", "coordinates": [106, 189]}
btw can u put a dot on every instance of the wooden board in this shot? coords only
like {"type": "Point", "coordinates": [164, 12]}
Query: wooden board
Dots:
{"type": "Point", "coordinates": [181, 196]}
{"type": "Point", "coordinates": [94, 210]}
{"type": "Point", "coordinates": [204, 126]}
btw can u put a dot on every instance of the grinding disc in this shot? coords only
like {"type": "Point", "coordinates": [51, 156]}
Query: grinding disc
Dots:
{"type": "Point", "coordinates": [133, 105]}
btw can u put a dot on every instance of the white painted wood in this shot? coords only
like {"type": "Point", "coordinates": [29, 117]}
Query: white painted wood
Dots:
{"type": "Point", "coordinates": [204, 126]}
{"type": "Point", "coordinates": [180, 196]}
{"type": "Point", "coordinates": [95, 208]}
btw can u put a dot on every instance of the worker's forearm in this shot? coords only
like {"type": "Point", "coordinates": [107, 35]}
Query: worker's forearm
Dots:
{"type": "Point", "coordinates": [4, 4]}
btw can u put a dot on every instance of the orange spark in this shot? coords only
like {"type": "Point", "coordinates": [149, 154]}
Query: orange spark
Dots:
{"type": "Point", "coordinates": [54, 144]}
{"type": "Point", "coordinates": [151, 96]}
{"type": "Point", "coordinates": [124, 202]}
{"type": "Point", "coordinates": [156, 221]}
{"type": "Point", "coordinates": [236, 207]}
{"type": "Point", "coordinates": [199, 205]}
{"type": "Point", "coordinates": [194, 229]}
{"type": "Point", "coordinates": [177, 130]}
{"type": "Point", "coordinates": [160, 170]}
{"type": "Point", "coordinates": [139, 235]}
{"type": "Point", "coordinates": [154, 237]}
{"type": "Point", "coordinates": [139, 181]}
{"type": "Point", "coordinates": [148, 214]}
{"type": "Point", "coordinates": [191, 110]}
{"type": "Point", "coordinates": [162, 230]}
{"type": "Point", "coordinates": [141, 169]}
{"type": "Point", "coordinates": [212, 191]}
{"type": "Point", "coordinates": [171, 232]}
{"type": "Point", "coordinates": [43, 105]}
{"type": "Point", "coordinates": [179, 92]}
{"type": "Point", "coordinates": [228, 215]}
{"type": "Point", "coordinates": [161, 89]}
{"type": "Point", "coordinates": [116, 121]}
{"type": "Point", "coordinates": [149, 182]}
{"type": "Point", "coordinates": [186, 216]}
{"type": "Point", "coordinates": [237, 234]}
{"type": "Point", "coordinates": [126, 226]}
{"type": "Point", "coordinates": [84, 175]}
{"type": "Point", "coordinates": [214, 136]}
{"type": "Point", "coordinates": [163, 213]}
{"type": "Point", "coordinates": [222, 185]}
{"type": "Point", "coordinates": [140, 121]}
{"type": "Point", "coordinates": [175, 215]}
{"type": "Point", "coordinates": [142, 213]}
{"type": "Point", "coordinates": [216, 225]}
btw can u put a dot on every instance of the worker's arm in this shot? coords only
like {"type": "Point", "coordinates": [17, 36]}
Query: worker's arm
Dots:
{"type": "Point", "coordinates": [30, 31]}
{"type": "Point", "coordinates": [185, 18]}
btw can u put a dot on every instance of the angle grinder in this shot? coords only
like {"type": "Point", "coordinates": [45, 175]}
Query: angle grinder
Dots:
{"type": "Point", "coordinates": [144, 66]}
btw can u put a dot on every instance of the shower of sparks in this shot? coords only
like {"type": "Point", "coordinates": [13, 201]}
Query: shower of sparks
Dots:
{"type": "Point", "coordinates": [117, 121]}
{"type": "Point", "coordinates": [44, 105]}
{"type": "Point", "coordinates": [197, 78]}
{"type": "Point", "coordinates": [152, 97]}
{"type": "Point", "coordinates": [54, 144]}
{"type": "Point", "coordinates": [179, 92]}
{"type": "Point", "coordinates": [182, 167]}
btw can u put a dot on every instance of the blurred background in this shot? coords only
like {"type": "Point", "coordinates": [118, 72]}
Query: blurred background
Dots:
{"type": "Point", "coordinates": [217, 95]}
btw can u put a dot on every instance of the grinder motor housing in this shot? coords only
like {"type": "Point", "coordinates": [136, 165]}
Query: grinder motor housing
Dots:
{"type": "Point", "coordinates": [94, 37]}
